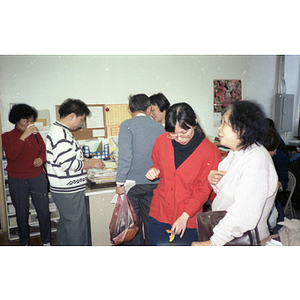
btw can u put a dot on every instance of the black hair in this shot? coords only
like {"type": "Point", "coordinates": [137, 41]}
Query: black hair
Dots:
{"type": "Point", "coordinates": [248, 120]}
{"type": "Point", "coordinates": [161, 101]}
{"type": "Point", "coordinates": [273, 139]}
{"type": "Point", "coordinates": [21, 111]}
{"type": "Point", "coordinates": [271, 123]}
{"type": "Point", "coordinates": [184, 115]}
{"type": "Point", "coordinates": [76, 106]}
{"type": "Point", "coordinates": [138, 102]}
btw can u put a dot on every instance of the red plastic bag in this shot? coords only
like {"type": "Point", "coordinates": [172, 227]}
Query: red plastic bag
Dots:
{"type": "Point", "coordinates": [124, 223]}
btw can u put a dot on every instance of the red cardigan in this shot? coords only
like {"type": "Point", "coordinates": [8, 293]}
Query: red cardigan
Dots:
{"type": "Point", "coordinates": [185, 189]}
{"type": "Point", "coordinates": [21, 154]}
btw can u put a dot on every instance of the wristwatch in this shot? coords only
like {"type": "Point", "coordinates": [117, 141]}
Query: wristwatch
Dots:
{"type": "Point", "coordinates": [120, 185]}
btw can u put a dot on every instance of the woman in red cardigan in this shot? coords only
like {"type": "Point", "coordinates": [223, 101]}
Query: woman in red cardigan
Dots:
{"type": "Point", "coordinates": [26, 153]}
{"type": "Point", "coordinates": [182, 159]}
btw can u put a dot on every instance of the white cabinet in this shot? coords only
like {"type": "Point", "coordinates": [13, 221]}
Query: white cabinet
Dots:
{"type": "Point", "coordinates": [99, 210]}
{"type": "Point", "coordinates": [11, 219]}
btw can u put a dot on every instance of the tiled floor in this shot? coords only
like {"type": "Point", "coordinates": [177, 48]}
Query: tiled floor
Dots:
{"type": "Point", "coordinates": [34, 241]}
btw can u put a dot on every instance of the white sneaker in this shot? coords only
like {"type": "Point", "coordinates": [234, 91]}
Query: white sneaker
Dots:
{"type": "Point", "coordinates": [48, 244]}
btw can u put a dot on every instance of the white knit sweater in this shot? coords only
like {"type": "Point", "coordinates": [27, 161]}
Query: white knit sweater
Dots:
{"type": "Point", "coordinates": [64, 161]}
{"type": "Point", "coordinates": [247, 192]}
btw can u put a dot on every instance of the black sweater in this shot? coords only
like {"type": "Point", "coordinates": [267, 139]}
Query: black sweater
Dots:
{"type": "Point", "coordinates": [182, 152]}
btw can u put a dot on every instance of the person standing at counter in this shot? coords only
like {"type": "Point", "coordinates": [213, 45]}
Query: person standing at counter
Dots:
{"type": "Point", "coordinates": [182, 158]}
{"type": "Point", "coordinates": [159, 106]}
{"type": "Point", "coordinates": [26, 154]}
{"type": "Point", "coordinates": [136, 139]}
{"type": "Point", "coordinates": [66, 168]}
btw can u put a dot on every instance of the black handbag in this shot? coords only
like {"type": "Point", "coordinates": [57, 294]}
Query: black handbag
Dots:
{"type": "Point", "coordinates": [206, 222]}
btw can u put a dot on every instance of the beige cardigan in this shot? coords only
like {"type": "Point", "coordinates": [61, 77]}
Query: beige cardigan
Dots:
{"type": "Point", "coordinates": [247, 192]}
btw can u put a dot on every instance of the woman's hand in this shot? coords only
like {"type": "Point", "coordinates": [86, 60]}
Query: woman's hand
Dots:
{"type": "Point", "coordinates": [179, 225]}
{"type": "Point", "coordinates": [28, 131]}
{"type": "Point", "coordinates": [215, 176]}
{"type": "Point", "coordinates": [37, 162]}
{"type": "Point", "coordinates": [206, 243]}
{"type": "Point", "coordinates": [152, 174]}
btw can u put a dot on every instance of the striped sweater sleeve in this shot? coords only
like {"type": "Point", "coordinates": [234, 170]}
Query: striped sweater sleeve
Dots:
{"type": "Point", "coordinates": [64, 161]}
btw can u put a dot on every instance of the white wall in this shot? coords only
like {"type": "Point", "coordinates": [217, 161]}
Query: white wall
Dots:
{"type": "Point", "coordinates": [45, 81]}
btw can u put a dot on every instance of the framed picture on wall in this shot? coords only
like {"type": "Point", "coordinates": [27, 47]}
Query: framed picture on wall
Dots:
{"type": "Point", "coordinates": [225, 92]}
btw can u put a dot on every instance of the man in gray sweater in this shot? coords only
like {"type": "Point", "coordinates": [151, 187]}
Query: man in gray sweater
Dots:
{"type": "Point", "coordinates": [136, 139]}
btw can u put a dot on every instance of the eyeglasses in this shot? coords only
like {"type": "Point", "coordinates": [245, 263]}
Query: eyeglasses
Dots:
{"type": "Point", "coordinates": [173, 136]}
{"type": "Point", "coordinates": [154, 109]}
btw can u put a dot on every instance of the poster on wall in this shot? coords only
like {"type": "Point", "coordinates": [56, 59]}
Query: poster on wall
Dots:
{"type": "Point", "coordinates": [225, 92]}
{"type": "Point", "coordinates": [115, 115]}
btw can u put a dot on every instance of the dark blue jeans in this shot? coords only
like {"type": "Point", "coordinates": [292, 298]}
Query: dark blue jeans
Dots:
{"type": "Point", "coordinates": [19, 190]}
{"type": "Point", "coordinates": [159, 237]}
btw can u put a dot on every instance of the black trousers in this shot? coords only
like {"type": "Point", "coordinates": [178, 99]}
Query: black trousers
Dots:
{"type": "Point", "coordinates": [140, 197]}
{"type": "Point", "coordinates": [37, 187]}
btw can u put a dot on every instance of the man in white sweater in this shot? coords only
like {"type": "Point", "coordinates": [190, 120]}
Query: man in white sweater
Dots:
{"type": "Point", "coordinates": [66, 169]}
